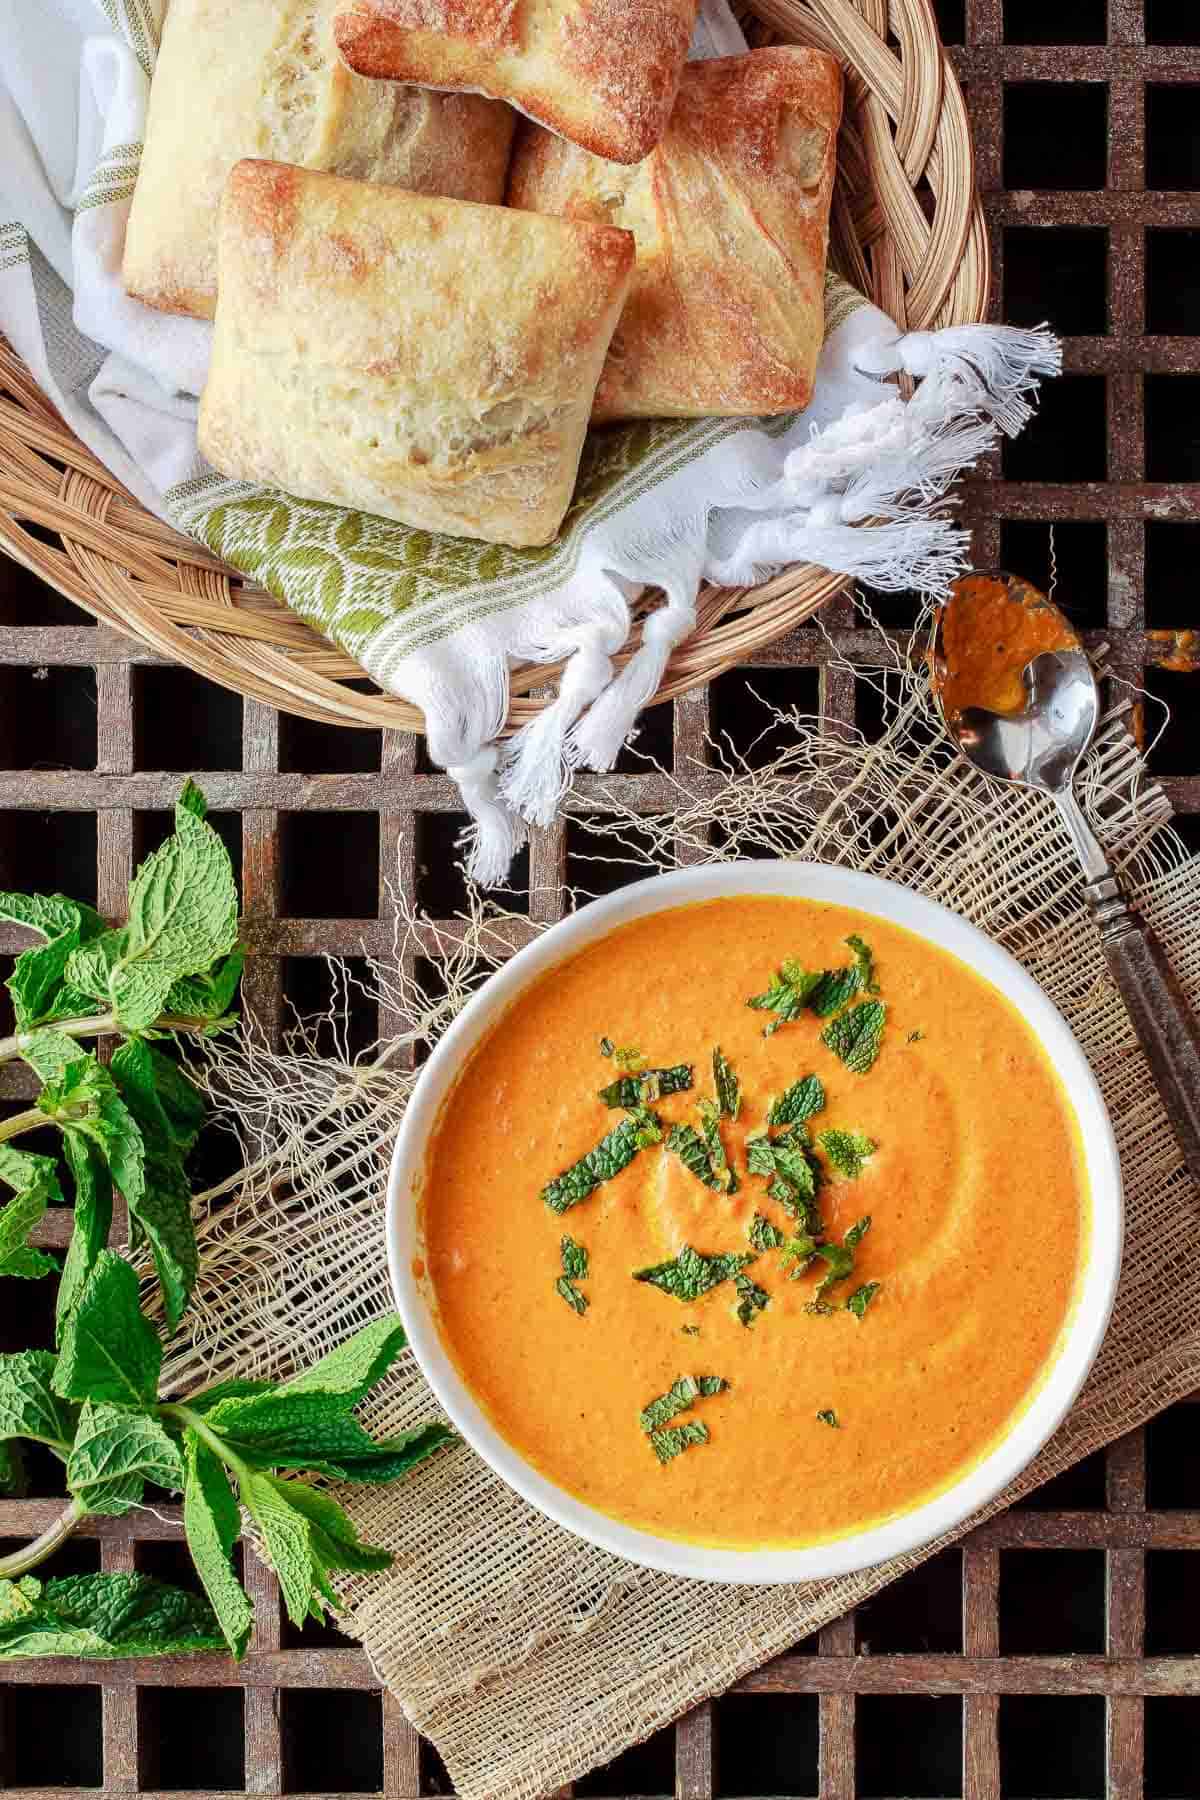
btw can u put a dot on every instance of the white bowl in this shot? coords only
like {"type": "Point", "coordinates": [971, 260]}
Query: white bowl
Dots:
{"type": "Point", "coordinates": [1081, 1337]}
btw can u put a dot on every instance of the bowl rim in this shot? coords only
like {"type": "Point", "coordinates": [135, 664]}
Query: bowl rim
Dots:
{"type": "Point", "coordinates": [1060, 1383]}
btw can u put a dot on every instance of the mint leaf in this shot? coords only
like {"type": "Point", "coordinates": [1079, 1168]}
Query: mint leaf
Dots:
{"type": "Point", "coordinates": [191, 800]}
{"type": "Point", "coordinates": [798, 1102]}
{"type": "Point", "coordinates": [109, 1352]}
{"type": "Point", "coordinates": [792, 1179]}
{"type": "Point", "coordinates": [678, 1398]}
{"type": "Point", "coordinates": [17, 1220]}
{"type": "Point", "coordinates": [29, 1407]}
{"type": "Point", "coordinates": [355, 1367]}
{"type": "Point", "coordinates": [729, 1092]}
{"type": "Point", "coordinates": [642, 1089]}
{"type": "Point", "coordinates": [48, 1052]}
{"type": "Point", "coordinates": [827, 1416]}
{"type": "Point", "coordinates": [37, 973]}
{"type": "Point", "coordinates": [862, 1297]}
{"type": "Point", "coordinates": [613, 1153]}
{"type": "Point", "coordinates": [788, 995]}
{"type": "Point", "coordinates": [691, 1274]}
{"type": "Point", "coordinates": [115, 1454]}
{"type": "Point", "coordinates": [575, 1299]}
{"type": "Point", "coordinates": [606, 1046]}
{"type": "Point", "coordinates": [799, 1251]}
{"type": "Point", "coordinates": [93, 1221]}
{"type": "Point", "coordinates": [333, 1541]}
{"type": "Point", "coordinates": [283, 1429]}
{"type": "Point", "coordinates": [85, 1101]}
{"type": "Point", "coordinates": [857, 1036]}
{"type": "Point", "coordinates": [102, 1617]}
{"type": "Point", "coordinates": [207, 996]}
{"type": "Point", "coordinates": [213, 1524]}
{"type": "Point", "coordinates": [847, 1151]}
{"type": "Point", "coordinates": [840, 1258]}
{"type": "Point", "coordinates": [752, 1299]}
{"type": "Point", "coordinates": [574, 1259]}
{"type": "Point", "coordinates": [864, 963]}
{"type": "Point", "coordinates": [627, 1058]}
{"type": "Point", "coordinates": [288, 1544]}
{"type": "Point", "coordinates": [233, 1389]}
{"type": "Point", "coordinates": [182, 918]}
{"type": "Point", "coordinates": [704, 1157]}
{"type": "Point", "coordinates": [674, 1439]}
{"type": "Point", "coordinates": [575, 1268]}
{"type": "Point", "coordinates": [169, 1109]}
{"type": "Point", "coordinates": [35, 1179]}
{"type": "Point", "coordinates": [765, 1236]}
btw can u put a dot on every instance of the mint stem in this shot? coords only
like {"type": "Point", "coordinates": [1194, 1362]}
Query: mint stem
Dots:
{"type": "Point", "coordinates": [95, 1025]}
{"type": "Point", "coordinates": [21, 1561]}
{"type": "Point", "coordinates": [24, 1121]}
{"type": "Point", "coordinates": [207, 1435]}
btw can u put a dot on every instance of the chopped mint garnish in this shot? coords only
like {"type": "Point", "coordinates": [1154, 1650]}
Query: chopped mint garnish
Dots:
{"type": "Point", "coordinates": [788, 994]}
{"type": "Point", "coordinates": [627, 1058]}
{"type": "Point", "coordinates": [574, 1259]}
{"type": "Point", "coordinates": [643, 1089]}
{"type": "Point", "coordinates": [678, 1398]}
{"type": "Point", "coordinates": [862, 1297]}
{"type": "Point", "coordinates": [796, 989]}
{"type": "Point", "coordinates": [691, 1274]}
{"type": "Point", "coordinates": [613, 1153]}
{"type": "Point", "coordinates": [827, 1416]}
{"type": "Point", "coordinates": [669, 1443]}
{"type": "Point", "coordinates": [571, 1294]}
{"type": "Point", "coordinates": [792, 1175]}
{"type": "Point", "coordinates": [752, 1299]}
{"type": "Point", "coordinates": [914, 1037]}
{"type": "Point", "coordinates": [840, 1258]}
{"type": "Point", "coordinates": [797, 1103]}
{"type": "Point", "coordinates": [729, 1092]}
{"type": "Point", "coordinates": [606, 1046]}
{"type": "Point", "coordinates": [764, 1235]}
{"type": "Point", "coordinates": [847, 1151]}
{"type": "Point", "coordinates": [575, 1268]}
{"type": "Point", "coordinates": [690, 1330]}
{"type": "Point", "coordinates": [704, 1156]}
{"type": "Point", "coordinates": [856, 1036]}
{"type": "Point", "coordinates": [799, 1251]}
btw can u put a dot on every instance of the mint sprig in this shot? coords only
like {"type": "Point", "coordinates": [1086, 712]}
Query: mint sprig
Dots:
{"type": "Point", "coordinates": [174, 966]}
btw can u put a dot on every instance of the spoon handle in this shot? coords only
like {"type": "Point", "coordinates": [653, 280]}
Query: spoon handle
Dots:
{"type": "Point", "coordinates": [1167, 1028]}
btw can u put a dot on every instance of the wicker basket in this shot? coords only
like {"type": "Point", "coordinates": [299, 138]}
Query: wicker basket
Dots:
{"type": "Point", "coordinates": [907, 230]}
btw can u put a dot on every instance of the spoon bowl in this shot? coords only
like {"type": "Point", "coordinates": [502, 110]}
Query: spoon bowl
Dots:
{"type": "Point", "coordinates": [1043, 745]}
{"type": "Point", "coordinates": [999, 639]}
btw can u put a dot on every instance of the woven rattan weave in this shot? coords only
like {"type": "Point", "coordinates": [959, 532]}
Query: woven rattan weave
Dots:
{"type": "Point", "coordinates": [907, 229]}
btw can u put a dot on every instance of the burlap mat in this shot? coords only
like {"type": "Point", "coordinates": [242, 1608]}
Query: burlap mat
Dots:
{"type": "Point", "coordinates": [525, 1655]}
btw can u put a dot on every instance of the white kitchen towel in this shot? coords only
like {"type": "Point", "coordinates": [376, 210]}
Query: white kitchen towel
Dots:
{"type": "Point", "coordinates": [857, 483]}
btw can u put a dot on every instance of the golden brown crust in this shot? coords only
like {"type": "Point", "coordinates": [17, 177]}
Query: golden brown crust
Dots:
{"type": "Point", "coordinates": [603, 73]}
{"type": "Point", "coordinates": [731, 214]}
{"type": "Point", "coordinates": [245, 77]}
{"type": "Point", "coordinates": [430, 360]}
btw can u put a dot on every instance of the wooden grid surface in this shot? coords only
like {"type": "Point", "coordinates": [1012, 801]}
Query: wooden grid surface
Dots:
{"type": "Point", "coordinates": [1057, 1654]}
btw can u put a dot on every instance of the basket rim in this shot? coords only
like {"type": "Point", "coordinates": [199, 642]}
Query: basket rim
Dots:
{"type": "Point", "coordinates": [907, 230]}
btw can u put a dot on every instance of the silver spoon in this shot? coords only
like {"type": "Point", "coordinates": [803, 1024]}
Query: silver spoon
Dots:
{"type": "Point", "coordinates": [1041, 747]}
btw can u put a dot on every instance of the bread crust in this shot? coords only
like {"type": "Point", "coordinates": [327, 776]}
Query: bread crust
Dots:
{"type": "Point", "coordinates": [430, 360]}
{"type": "Point", "coordinates": [731, 215]}
{"type": "Point", "coordinates": [262, 77]}
{"type": "Point", "coordinates": [602, 73]}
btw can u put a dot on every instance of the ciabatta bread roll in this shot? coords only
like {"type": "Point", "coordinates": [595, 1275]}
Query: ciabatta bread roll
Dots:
{"type": "Point", "coordinates": [731, 217]}
{"type": "Point", "coordinates": [430, 360]}
{"type": "Point", "coordinates": [604, 73]}
{"type": "Point", "coordinates": [262, 78]}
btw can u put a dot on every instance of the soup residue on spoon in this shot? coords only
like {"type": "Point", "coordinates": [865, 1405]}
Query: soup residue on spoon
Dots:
{"type": "Point", "coordinates": [991, 629]}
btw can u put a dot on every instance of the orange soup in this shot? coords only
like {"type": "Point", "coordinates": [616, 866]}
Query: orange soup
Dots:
{"type": "Point", "coordinates": [693, 1330]}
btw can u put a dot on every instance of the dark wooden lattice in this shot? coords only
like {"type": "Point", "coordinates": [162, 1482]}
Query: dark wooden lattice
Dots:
{"type": "Point", "coordinates": [1056, 1653]}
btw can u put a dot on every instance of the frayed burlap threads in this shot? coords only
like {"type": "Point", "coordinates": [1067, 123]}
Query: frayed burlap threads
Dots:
{"type": "Point", "coordinates": [526, 1655]}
